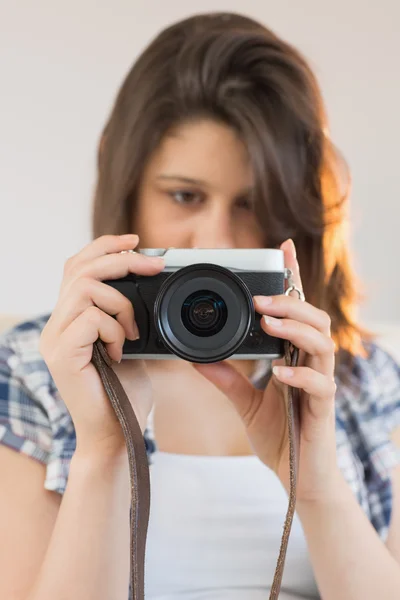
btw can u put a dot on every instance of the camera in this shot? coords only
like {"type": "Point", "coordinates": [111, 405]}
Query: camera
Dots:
{"type": "Point", "coordinates": [200, 307]}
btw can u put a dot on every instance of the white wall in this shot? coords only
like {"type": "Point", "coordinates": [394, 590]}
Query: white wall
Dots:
{"type": "Point", "coordinates": [60, 66]}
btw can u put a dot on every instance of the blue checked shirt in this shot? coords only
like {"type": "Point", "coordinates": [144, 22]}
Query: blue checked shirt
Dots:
{"type": "Point", "coordinates": [34, 419]}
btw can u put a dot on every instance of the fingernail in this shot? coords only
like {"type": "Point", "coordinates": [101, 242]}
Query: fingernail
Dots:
{"type": "Point", "coordinates": [291, 242]}
{"type": "Point", "coordinates": [134, 333]}
{"type": "Point", "coordinates": [158, 260]}
{"type": "Point", "coordinates": [265, 299]}
{"type": "Point", "coordinates": [283, 372]}
{"type": "Point", "coordinates": [272, 322]}
{"type": "Point", "coordinates": [128, 236]}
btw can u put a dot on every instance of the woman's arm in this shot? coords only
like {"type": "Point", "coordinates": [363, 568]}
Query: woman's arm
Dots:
{"type": "Point", "coordinates": [350, 561]}
{"type": "Point", "coordinates": [88, 553]}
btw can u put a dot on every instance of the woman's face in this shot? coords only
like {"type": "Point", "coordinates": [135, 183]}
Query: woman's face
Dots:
{"type": "Point", "coordinates": [196, 192]}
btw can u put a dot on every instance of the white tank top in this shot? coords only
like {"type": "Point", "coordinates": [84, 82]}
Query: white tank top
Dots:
{"type": "Point", "coordinates": [215, 528]}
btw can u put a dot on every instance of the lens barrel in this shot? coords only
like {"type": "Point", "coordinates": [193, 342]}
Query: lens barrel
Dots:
{"type": "Point", "coordinates": [203, 313]}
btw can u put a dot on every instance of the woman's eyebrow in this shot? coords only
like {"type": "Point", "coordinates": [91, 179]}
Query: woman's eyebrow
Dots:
{"type": "Point", "coordinates": [182, 178]}
{"type": "Point", "coordinates": [190, 180]}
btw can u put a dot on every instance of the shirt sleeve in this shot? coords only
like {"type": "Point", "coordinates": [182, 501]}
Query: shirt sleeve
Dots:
{"type": "Point", "coordinates": [33, 418]}
{"type": "Point", "coordinates": [378, 418]}
{"type": "Point", "coordinates": [24, 425]}
{"type": "Point", "coordinates": [389, 383]}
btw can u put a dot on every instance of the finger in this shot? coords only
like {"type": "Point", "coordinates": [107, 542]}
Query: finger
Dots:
{"type": "Point", "coordinates": [306, 338]}
{"type": "Point", "coordinates": [293, 308]}
{"type": "Point", "coordinates": [317, 386]}
{"type": "Point", "coordinates": [291, 262]}
{"type": "Point", "coordinates": [90, 325]}
{"type": "Point", "coordinates": [105, 244]}
{"type": "Point", "coordinates": [84, 293]}
{"type": "Point", "coordinates": [114, 266]}
{"type": "Point", "coordinates": [234, 385]}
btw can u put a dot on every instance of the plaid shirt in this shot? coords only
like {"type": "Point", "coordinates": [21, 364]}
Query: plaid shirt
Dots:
{"type": "Point", "coordinates": [34, 419]}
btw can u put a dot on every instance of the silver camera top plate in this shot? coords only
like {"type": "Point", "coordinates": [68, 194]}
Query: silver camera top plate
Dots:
{"type": "Point", "coordinates": [235, 259]}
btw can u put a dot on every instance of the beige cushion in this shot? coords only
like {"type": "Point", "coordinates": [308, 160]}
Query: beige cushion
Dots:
{"type": "Point", "coordinates": [7, 321]}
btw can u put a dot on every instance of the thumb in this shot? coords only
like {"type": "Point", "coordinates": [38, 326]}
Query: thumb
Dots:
{"type": "Point", "coordinates": [231, 383]}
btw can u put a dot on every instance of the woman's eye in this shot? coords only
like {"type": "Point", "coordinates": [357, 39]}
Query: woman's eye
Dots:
{"type": "Point", "coordinates": [245, 203]}
{"type": "Point", "coordinates": [185, 197]}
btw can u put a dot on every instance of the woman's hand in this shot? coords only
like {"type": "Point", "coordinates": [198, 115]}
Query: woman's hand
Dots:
{"type": "Point", "coordinates": [263, 411]}
{"type": "Point", "coordinates": [83, 314]}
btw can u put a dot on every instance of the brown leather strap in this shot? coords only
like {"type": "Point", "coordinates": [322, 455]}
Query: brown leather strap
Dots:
{"type": "Point", "coordinates": [293, 422]}
{"type": "Point", "coordinates": [139, 467]}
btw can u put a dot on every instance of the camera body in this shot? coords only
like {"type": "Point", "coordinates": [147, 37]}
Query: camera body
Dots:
{"type": "Point", "coordinates": [200, 307]}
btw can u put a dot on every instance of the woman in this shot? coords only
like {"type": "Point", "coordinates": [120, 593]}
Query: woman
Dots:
{"type": "Point", "coordinates": [218, 139]}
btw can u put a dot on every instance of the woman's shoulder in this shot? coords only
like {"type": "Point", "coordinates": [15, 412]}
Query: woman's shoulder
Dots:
{"type": "Point", "coordinates": [369, 385]}
{"type": "Point", "coordinates": [20, 344]}
{"type": "Point", "coordinates": [21, 364]}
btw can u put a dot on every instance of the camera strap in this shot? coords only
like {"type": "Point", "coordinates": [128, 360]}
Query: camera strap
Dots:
{"type": "Point", "coordinates": [140, 475]}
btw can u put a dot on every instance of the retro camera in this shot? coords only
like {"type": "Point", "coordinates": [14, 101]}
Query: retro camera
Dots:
{"type": "Point", "coordinates": [200, 307]}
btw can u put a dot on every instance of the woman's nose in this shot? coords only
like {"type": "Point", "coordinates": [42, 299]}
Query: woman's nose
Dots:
{"type": "Point", "coordinates": [214, 231]}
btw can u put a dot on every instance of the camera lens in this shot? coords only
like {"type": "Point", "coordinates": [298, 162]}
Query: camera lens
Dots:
{"type": "Point", "coordinates": [204, 313]}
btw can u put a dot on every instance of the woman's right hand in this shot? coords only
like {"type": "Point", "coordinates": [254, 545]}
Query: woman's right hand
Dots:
{"type": "Point", "coordinates": [82, 315]}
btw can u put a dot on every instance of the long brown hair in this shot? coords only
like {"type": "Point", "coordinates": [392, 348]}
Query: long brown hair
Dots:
{"type": "Point", "coordinates": [232, 69]}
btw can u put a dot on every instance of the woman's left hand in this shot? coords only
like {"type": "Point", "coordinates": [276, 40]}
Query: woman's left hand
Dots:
{"type": "Point", "coordinates": [263, 411]}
